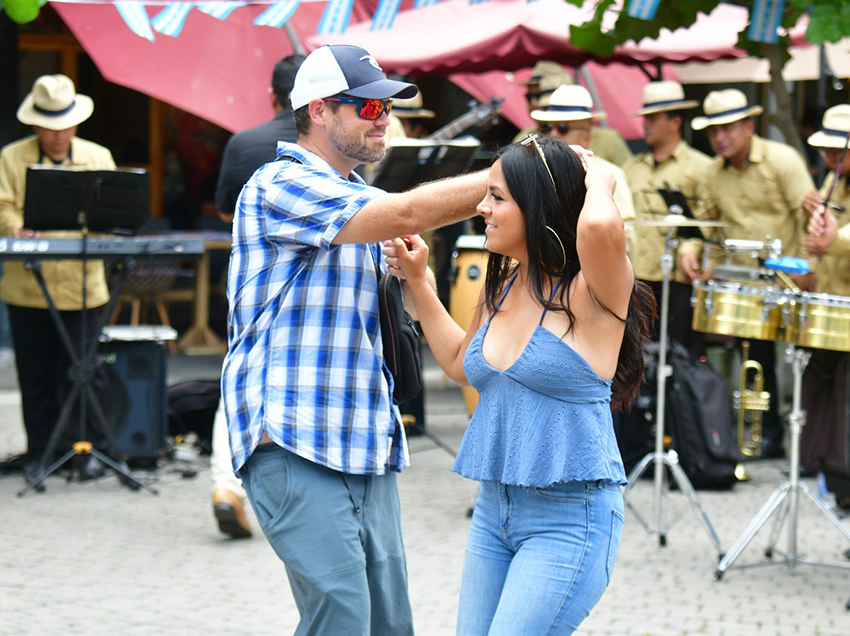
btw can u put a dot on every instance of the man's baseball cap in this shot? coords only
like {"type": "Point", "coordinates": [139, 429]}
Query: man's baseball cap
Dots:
{"type": "Point", "coordinates": [342, 68]}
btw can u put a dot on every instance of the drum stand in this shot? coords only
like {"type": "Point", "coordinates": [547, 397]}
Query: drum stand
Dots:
{"type": "Point", "coordinates": [787, 494]}
{"type": "Point", "coordinates": [659, 457]}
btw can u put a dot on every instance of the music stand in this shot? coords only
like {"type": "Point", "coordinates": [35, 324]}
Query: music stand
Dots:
{"type": "Point", "coordinates": [409, 162]}
{"type": "Point", "coordinates": [659, 458]}
{"type": "Point", "coordinates": [83, 200]}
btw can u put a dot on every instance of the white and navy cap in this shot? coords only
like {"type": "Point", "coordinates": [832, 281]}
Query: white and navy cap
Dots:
{"type": "Point", "coordinates": [342, 68]}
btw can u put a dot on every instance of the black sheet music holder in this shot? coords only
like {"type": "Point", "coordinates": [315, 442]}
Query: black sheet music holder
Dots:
{"type": "Point", "coordinates": [111, 201]}
{"type": "Point", "coordinates": [409, 162]}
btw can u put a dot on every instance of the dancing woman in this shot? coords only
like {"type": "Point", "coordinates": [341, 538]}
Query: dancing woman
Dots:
{"type": "Point", "coordinates": [556, 339]}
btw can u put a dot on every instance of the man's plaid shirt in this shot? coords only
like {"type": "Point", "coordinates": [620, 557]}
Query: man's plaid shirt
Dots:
{"type": "Point", "coordinates": [305, 361]}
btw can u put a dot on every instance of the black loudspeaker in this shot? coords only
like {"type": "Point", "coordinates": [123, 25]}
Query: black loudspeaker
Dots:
{"type": "Point", "coordinates": [136, 374]}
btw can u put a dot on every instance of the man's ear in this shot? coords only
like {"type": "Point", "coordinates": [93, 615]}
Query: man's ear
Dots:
{"type": "Point", "coordinates": [318, 109]}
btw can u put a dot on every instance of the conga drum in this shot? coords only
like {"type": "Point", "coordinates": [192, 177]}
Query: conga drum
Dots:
{"type": "Point", "coordinates": [469, 266]}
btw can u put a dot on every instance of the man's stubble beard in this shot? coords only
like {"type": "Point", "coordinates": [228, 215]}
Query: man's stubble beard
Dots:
{"type": "Point", "coordinates": [350, 145]}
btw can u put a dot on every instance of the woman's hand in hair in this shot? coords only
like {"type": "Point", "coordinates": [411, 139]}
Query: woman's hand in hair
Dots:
{"type": "Point", "coordinates": [599, 177]}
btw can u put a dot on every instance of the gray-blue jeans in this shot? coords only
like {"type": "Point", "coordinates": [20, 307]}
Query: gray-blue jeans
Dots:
{"type": "Point", "coordinates": [339, 537]}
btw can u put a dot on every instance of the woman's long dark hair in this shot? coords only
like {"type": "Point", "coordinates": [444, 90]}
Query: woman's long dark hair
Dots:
{"type": "Point", "coordinates": [531, 187]}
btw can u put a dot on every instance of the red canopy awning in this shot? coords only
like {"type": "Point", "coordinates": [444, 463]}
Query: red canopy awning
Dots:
{"type": "Point", "coordinates": [219, 70]}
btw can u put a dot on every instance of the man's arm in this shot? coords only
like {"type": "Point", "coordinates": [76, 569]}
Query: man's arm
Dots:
{"type": "Point", "coordinates": [426, 207]}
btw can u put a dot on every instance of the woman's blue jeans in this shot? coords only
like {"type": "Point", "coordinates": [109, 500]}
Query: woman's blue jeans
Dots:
{"type": "Point", "coordinates": [538, 559]}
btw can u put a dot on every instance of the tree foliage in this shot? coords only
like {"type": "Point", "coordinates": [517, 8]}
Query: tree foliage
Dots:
{"type": "Point", "coordinates": [611, 25]}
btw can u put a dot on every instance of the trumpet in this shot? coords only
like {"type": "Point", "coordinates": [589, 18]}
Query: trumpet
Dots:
{"type": "Point", "coordinates": [750, 400]}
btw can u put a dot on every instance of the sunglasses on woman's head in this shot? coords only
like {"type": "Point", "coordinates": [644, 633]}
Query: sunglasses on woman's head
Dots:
{"type": "Point", "coordinates": [369, 109]}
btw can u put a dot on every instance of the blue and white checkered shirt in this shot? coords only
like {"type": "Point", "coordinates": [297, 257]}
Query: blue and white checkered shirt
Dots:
{"type": "Point", "coordinates": [305, 360]}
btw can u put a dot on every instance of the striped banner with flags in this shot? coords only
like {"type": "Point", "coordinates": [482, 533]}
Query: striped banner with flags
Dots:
{"type": "Point", "coordinates": [219, 10]}
{"type": "Point", "coordinates": [135, 16]}
{"type": "Point", "coordinates": [765, 20]}
{"type": "Point", "coordinates": [385, 14]}
{"type": "Point", "coordinates": [277, 14]}
{"type": "Point", "coordinates": [335, 18]}
{"type": "Point", "coordinates": [643, 9]}
{"type": "Point", "coordinates": [170, 20]}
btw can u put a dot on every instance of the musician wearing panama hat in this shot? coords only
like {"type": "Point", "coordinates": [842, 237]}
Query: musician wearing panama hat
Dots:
{"type": "Point", "coordinates": [669, 163]}
{"type": "Point", "coordinates": [546, 77]}
{"type": "Point", "coordinates": [828, 229]}
{"type": "Point", "coordinates": [824, 389]}
{"type": "Point", "coordinates": [54, 109]}
{"type": "Point", "coordinates": [757, 187]}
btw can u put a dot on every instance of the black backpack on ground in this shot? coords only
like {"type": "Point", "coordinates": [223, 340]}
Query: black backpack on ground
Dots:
{"type": "Point", "coordinates": [698, 417]}
{"type": "Point", "coordinates": [702, 422]}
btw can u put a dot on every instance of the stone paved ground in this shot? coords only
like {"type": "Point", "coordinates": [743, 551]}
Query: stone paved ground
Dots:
{"type": "Point", "coordinates": [94, 558]}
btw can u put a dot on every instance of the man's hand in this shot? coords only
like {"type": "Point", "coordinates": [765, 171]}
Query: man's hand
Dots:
{"type": "Point", "coordinates": [689, 266]}
{"type": "Point", "coordinates": [23, 232]}
{"type": "Point", "coordinates": [822, 230]}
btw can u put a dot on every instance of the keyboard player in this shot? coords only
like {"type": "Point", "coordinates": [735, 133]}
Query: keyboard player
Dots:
{"type": "Point", "coordinates": [54, 110]}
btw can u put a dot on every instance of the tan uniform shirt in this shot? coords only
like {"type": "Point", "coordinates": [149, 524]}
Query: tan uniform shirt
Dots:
{"type": "Point", "coordinates": [63, 278]}
{"type": "Point", "coordinates": [833, 269]}
{"type": "Point", "coordinates": [609, 144]}
{"type": "Point", "coordinates": [683, 170]}
{"type": "Point", "coordinates": [764, 198]}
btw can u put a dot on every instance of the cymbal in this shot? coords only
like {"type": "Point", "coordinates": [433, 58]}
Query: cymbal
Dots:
{"type": "Point", "coordinates": [676, 220]}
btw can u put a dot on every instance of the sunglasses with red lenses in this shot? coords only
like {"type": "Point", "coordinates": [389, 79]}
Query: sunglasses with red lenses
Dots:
{"type": "Point", "coordinates": [367, 108]}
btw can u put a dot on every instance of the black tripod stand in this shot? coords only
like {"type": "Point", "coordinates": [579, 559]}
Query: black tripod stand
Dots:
{"type": "Point", "coordinates": [79, 196]}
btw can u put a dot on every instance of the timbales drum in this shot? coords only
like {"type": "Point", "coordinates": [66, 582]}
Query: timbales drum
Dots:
{"type": "Point", "coordinates": [819, 321]}
{"type": "Point", "coordinates": [733, 308]}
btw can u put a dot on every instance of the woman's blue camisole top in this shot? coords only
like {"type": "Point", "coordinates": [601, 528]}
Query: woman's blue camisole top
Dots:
{"type": "Point", "coordinates": [545, 419]}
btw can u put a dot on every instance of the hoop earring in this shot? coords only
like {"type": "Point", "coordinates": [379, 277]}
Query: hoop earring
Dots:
{"type": "Point", "coordinates": [563, 251]}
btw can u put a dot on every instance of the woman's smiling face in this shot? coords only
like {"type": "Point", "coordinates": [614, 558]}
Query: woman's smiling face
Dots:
{"type": "Point", "coordinates": [504, 221]}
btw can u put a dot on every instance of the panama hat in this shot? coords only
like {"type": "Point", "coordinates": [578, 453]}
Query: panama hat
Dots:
{"type": "Point", "coordinates": [569, 102]}
{"type": "Point", "coordinates": [724, 107]}
{"type": "Point", "coordinates": [54, 104]}
{"type": "Point", "coordinates": [835, 128]}
{"type": "Point", "coordinates": [411, 108]}
{"type": "Point", "coordinates": [660, 97]}
{"type": "Point", "coordinates": [545, 69]}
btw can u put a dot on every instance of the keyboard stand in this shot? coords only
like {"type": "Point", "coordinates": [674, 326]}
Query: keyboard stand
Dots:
{"type": "Point", "coordinates": [82, 370]}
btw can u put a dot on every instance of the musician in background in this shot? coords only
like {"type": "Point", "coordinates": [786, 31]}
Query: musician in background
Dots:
{"type": "Point", "coordinates": [54, 110]}
{"type": "Point", "coordinates": [546, 77]}
{"type": "Point", "coordinates": [412, 116]}
{"type": "Point", "coordinates": [245, 152]}
{"type": "Point", "coordinates": [669, 163]}
{"type": "Point", "coordinates": [825, 385]}
{"type": "Point", "coordinates": [568, 117]}
{"type": "Point", "coordinates": [757, 187]}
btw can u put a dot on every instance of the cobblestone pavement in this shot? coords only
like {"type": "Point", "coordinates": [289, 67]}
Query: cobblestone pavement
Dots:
{"type": "Point", "coordinates": [95, 558]}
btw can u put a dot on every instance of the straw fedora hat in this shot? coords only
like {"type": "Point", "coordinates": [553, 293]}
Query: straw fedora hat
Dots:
{"type": "Point", "coordinates": [545, 69]}
{"type": "Point", "coordinates": [410, 108]}
{"type": "Point", "coordinates": [661, 97]}
{"type": "Point", "coordinates": [835, 128]}
{"type": "Point", "coordinates": [569, 102]}
{"type": "Point", "coordinates": [54, 104]}
{"type": "Point", "coordinates": [724, 107]}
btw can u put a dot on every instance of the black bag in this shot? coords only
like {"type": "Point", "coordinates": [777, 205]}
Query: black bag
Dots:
{"type": "Point", "coordinates": [701, 420]}
{"type": "Point", "coordinates": [400, 339]}
{"type": "Point", "coordinates": [191, 408]}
